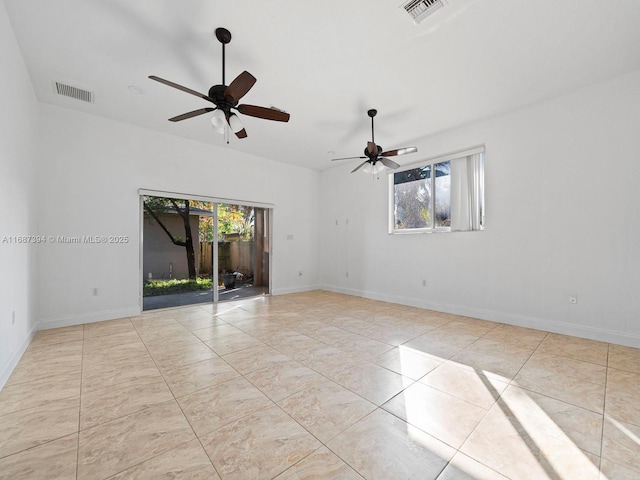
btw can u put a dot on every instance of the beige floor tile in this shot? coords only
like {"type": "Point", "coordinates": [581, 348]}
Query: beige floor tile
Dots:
{"type": "Point", "coordinates": [216, 331]}
{"type": "Point", "coordinates": [233, 343]}
{"type": "Point", "coordinates": [326, 409]}
{"type": "Point", "coordinates": [196, 376]}
{"type": "Point", "coordinates": [176, 339]}
{"type": "Point", "coordinates": [493, 362]}
{"type": "Point", "coordinates": [194, 324]}
{"type": "Point", "coordinates": [517, 336]}
{"type": "Point", "coordinates": [259, 446]}
{"type": "Point", "coordinates": [221, 404]}
{"type": "Point", "coordinates": [407, 362]}
{"type": "Point", "coordinates": [53, 460]}
{"type": "Point", "coordinates": [296, 346]}
{"type": "Point", "coordinates": [278, 334]}
{"type": "Point", "coordinates": [624, 358]}
{"type": "Point", "coordinates": [320, 465]}
{"type": "Point", "coordinates": [463, 326]}
{"type": "Point", "coordinates": [42, 363]}
{"type": "Point", "coordinates": [501, 348]}
{"type": "Point", "coordinates": [94, 344]}
{"type": "Point", "coordinates": [106, 404]}
{"type": "Point", "coordinates": [542, 364]}
{"type": "Point", "coordinates": [577, 348]}
{"type": "Point", "coordinates": [109, 327]}
{"type": "Point", "coordinates": [388, 334]}
{"type": "Point", "coordinates": [111, 353]}
{"type": "Point", "coordinates": [168, 357]}
{"type": "Point", "coordinates": [149, 321]}
{"type": "Point", "coordinates": [381, 446]}
{"type": "Point", "coordinates": [35, 426]}
{"type": "Point", "coordinates": [503, 444]}
{"type": "Point", "coordinates": [437, 413]}
{"type": "Point", "coordinates": [462, 467]}
{"type": "Point", "coordinates": [474, 386]}
{"type": "Point", "coordinates": [282, 379]}
{"type": "Point", "coordinates": [623, 394]}
{"type": "Point", "coordinates": [549, 377]}
{"type": "Point", "coordinates": [186, 462]}
{"type": "Point", "coordinates": [112, 447]}
{"type": "Point", "coordinates": [26, 395]}
{"type": "Point", "coordinates": [547, 424]}
{"type": "Point", "coordinates": [113, 372]}
{"type": "Point", "coordinates": [256, 358]}
{"type": "Point", "coordinates": [372, 382]}
{"type": "Point", "coordinates": [542, 416]}
{"type": "Point", "coordinates": [610, 471]}
{"type": "Point", "coordinates": [57, 335]}
{"type": "Point", "coordinates": [443, 345]}
{"type": "Point", "coordinates": [46, 353]}
{"type": "Point", "coordinates": [363, 347]}
{"type": "Point", "coordinates": [327, 360]}
{"type": "Point", "coordinates": [621, 444]}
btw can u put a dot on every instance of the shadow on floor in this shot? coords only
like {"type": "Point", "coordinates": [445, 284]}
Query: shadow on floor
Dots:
{"type": "Point", "coordinates": [201, 296]}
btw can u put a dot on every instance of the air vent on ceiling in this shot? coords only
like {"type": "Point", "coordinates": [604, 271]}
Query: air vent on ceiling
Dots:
{"type": "Point", "coordinates": [73, 92]}
{"type": "Point", "coordinates": [421, 9]}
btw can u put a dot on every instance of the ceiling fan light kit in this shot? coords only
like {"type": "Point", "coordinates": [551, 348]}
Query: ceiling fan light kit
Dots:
{"type": "Point", "coordinates": [226, 97]}
{"type": "Point", "coordinates": [375, 160]}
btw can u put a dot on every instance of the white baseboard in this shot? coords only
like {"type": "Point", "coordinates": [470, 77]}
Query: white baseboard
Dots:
{"type": "Point", "coordinates": [11, 365]}
{"type": "Point", "coordinates": [57, 322]}
{"type": "Point", "coordinates": [564, 328]}
{"type": "Point", "coordinates": [287, 290]}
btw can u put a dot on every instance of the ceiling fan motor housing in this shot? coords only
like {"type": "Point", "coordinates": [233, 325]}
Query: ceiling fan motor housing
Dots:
{"type": "Point", "coordinates": [217, 93]}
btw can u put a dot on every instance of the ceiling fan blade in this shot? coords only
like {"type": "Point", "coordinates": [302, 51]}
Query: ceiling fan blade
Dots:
{"type": "Point", "coordinates": [372, 148]}
{"type": "Point", "coordinates": [263, 112]}
{"type": "Point", "coordinates": [360, 166]}
{"type": "Point", "coordinates": [195, 113]}
{"type": "Point", "coordinates": [240, 86]}
{"type": "Point", "coordinates": [388, 163]}
{"type": "Point", "coordinates": [345, 158]}
{"type": "Point", "coordinates": [241, 134]}
{"type": "Point", "coordinates": [399, 151]}
{"type": "Point", "coordinates": [180, 87]}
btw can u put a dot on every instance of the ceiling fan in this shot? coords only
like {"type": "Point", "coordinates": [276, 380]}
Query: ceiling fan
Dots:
{"type": "Point", "coordinates": [374, 154]}
{"type": "Point", "coordinates": [225, 98]}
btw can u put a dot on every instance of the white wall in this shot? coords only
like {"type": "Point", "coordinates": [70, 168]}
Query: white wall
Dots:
{"type": "Point", "coordinates": [90, 171]}
{"type": "Point", "coordinates": [562, 218]}
{"type": "Point", "coordinates": [18, 204]}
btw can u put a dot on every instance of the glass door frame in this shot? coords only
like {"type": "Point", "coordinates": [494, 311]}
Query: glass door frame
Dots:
{"type": "Point", "coordinates": [142, 192]}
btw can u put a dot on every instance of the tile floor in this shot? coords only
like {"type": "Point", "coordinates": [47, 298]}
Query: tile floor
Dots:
{"type": "Point", "coordinates": [318, 385]}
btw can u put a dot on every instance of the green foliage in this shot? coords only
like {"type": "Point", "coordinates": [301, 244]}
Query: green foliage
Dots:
{"type": "Point", "coordinates": [165, 287]}
{"type": "Point", "coordinates": [235, 219]}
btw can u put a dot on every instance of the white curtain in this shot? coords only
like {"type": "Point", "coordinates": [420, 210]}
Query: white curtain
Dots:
{"type": "Point", "coordinates": [466, 193]}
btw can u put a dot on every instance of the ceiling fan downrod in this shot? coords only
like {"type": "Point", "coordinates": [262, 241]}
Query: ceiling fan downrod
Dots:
{"type": "Point", "coordinates": [372, 113]}
{"type": "Point", "coordinates": [224, 36]}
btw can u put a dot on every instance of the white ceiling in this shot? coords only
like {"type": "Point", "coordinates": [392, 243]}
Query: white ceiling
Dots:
{"type": "Point", "coordinates": [325, 62]}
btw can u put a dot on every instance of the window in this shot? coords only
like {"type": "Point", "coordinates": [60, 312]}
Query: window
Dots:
{"type": "Point", "coordinates": [444, 194]}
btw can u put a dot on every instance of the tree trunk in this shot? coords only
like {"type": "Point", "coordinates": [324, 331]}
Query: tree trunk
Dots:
{"type": "Point", "coordinates": [188, 240]}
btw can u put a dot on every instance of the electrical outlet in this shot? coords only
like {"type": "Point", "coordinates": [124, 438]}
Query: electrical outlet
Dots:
{"type": "Point", "coordinates": [13, 317]}
{"type": "Point", "coordinates": [94, 292]}
{"type": "Point", "coordinates": [346, 274]}
{"type": "Point", "coordinates": [299, 273]}
{"type": "Point", "coordinates": [573, 298]}
{"type": "Point", "coordinates": [424, 283]}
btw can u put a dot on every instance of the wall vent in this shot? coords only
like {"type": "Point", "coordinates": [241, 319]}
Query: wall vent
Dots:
{"type": "Point", "coordinates": [421, 9]}
{"type": "Point", "coordinates": [73, 92]}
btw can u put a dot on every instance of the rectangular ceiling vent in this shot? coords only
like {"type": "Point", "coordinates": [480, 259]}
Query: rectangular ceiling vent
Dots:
{"type": "Point", "coordinates": [421, 9]}
{"type": "Point", "coordinates": [73, 92]}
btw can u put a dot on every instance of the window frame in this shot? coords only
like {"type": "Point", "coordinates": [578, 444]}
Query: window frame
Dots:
{"type": "Point", "coordinates": [432, 161]}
